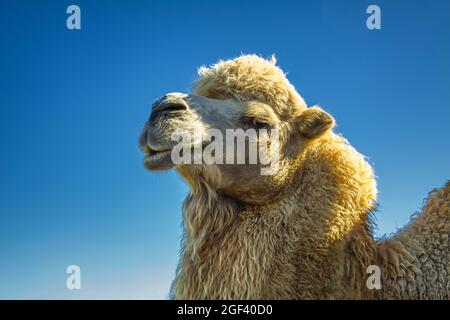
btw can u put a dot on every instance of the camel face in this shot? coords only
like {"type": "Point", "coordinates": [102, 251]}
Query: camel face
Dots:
{"type": "Point", "coordinates": [245, 95]}
{"type": "Point", "coordinates": [197, 117]}
{"type": "Point", "coordinates": [200, 117]}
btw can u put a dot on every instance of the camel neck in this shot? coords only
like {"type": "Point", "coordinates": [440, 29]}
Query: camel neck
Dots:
{"type": "Point", "coordinates": [332, 212]}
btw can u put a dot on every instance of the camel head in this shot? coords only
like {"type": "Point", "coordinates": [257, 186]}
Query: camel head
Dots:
{"type": "Point", "coordinates": [247, 95]}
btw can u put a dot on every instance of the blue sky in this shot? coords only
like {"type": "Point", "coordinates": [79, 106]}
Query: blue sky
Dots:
{"type": "Point", "coordinates": [72, 103]}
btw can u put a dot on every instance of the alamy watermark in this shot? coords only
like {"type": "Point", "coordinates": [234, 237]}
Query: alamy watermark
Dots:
{"type": "Point", "coordinates": [73, 22]}
{"type": "Point", "coordinates": [73, 281]}
{"type": "Point", "coordinates": [374, 279]}
{"type": "Point", "coordinates": [238, 146]}
{"type": "Point", "coordinates": [373, 22]}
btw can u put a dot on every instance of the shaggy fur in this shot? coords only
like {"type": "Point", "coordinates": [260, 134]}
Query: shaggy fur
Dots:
{"type": "Point", "coordinates": [314, 240]}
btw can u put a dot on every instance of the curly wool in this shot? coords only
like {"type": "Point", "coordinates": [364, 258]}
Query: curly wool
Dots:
{"type": "Point", "coordinates": [249, 77]}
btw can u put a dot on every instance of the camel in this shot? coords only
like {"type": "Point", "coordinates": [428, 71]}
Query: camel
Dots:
{"type": "Point", "coordinates": [303, 232]}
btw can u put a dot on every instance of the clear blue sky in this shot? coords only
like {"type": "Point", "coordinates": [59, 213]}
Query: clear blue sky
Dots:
{"type": "Point", "coordinates": [72, 103]}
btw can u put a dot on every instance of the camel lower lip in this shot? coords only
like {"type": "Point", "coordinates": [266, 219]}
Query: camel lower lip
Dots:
{"type": "Point", "coordinates": [158, 161]}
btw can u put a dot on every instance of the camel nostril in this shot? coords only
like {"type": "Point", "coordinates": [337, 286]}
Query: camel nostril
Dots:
{"type": "Point", "coordinates": [169, 104]}
{"type": "Point", "coordinates": [167, 107]}
{"type": "Point", "coordinates": [173, 107]}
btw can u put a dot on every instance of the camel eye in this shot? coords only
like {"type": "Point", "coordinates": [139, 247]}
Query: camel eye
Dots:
{"type": "Point", "coordinates": [255, 123]}
{"type": "Point", "coordinates": [260, 124]}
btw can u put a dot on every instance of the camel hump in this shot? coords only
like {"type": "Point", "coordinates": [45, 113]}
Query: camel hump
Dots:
{"type": "Point", "coordinates": [434, 218]}
{"type": "Point", "coordinates": [437, 206]}
{"type": "Point", "coordinates": [421, 251]}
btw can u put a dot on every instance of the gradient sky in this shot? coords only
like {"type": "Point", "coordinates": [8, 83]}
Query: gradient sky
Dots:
{"type": "Point", "coordinates": [72, 103]}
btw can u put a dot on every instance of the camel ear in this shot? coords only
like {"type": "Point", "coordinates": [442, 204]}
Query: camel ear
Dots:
{"type": "Point", "coordinates": [314, 121]}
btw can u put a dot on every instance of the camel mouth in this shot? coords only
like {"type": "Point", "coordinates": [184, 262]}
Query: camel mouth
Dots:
{"type": "Point", "coordinates": [157, 160]}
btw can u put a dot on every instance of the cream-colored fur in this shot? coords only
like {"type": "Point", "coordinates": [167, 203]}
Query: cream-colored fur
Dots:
{"type": "Point", "coordinates": [310, 236]}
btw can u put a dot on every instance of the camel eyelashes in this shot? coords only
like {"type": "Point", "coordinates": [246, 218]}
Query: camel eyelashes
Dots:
{"type": "Point", "coordinates": [259, 124]}
{"type": "Point", "coordinates": [255, 123]}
